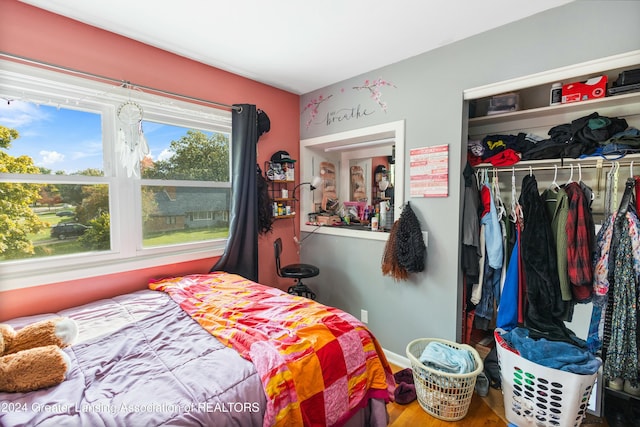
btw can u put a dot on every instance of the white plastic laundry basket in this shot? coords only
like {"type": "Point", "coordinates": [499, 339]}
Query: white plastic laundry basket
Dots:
{"type": "Point", "coordinates": [538, 396]}
{"type": "Point", "coordinates": [444, 395]}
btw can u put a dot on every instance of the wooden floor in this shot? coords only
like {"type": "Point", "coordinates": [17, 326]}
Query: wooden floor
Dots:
{"type": "Point", "coordinates": [480, 414]}
{"type": "Point", "coordinates": [483, 412]}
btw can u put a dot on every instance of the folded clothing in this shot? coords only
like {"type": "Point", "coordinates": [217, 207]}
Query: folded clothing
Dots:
{"type": "Point", "coordinates": [445, 358]}
{"type": "Point", "coordinates": [506, 157]}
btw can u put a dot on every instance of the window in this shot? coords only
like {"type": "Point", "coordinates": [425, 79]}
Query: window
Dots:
{"type": "Point", "coordinates": [74, 204]}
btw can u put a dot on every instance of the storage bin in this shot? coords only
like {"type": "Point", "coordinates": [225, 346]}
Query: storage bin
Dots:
{"type": "Point", "coordinates": [538, 396]}
{"type": "Point", "coordinates": [441, 394]}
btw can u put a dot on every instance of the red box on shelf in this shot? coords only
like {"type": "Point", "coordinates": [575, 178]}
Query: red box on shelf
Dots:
{"type": "Point", "coordinates": [581, 91]}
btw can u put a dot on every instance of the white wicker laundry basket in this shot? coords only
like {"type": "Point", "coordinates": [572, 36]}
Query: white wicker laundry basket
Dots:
{"type": "Point", "coordinates": [441, 394]}
{"type": "Point", "coordinates": [538, 396]}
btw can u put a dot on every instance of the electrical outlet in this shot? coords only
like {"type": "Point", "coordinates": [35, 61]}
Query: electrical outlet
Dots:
{"type": "Point", "coordinates": [364, 316]}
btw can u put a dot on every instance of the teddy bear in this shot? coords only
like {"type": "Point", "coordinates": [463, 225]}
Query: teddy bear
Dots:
{"type": "Point", "coordinates": [31, 357]}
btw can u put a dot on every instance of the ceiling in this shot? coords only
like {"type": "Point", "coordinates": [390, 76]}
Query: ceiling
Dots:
{"type": "Point", "coordinates": [297, 45]}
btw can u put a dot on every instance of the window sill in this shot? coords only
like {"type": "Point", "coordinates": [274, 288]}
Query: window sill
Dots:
{"type": "Point", "coordinates": [19, 279]}
{"type": "Point", "coordinates": [345, 232]}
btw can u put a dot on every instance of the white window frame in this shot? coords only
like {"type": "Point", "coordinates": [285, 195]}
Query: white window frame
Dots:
{"type": "Point", "coordinates": [46, 87]}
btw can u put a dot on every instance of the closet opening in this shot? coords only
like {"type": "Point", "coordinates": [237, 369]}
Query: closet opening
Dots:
{"type": "Point", "coordinates": [573, 194]}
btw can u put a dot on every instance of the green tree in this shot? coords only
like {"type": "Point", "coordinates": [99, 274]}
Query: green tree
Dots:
{"type": "Point", "coordinates": [72, 193]}
{"type": "Point", "coordinates": [149, 206]}
{"type": "Point", "coordinates": [95, 202]}
{"type": "Point", "coordinates": [98, 236]}
{"type": "Point", "coordinates": [6, 136]}
{"type": "Point", "coordinates": [17, 220]}
{"type": "Point", "coordinates": [195, 157]}
{"type": "Point", "coordinates": [49, 196]}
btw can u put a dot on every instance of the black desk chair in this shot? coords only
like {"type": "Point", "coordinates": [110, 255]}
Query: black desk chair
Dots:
{"type": "Point", "coordinates": [297, 272]}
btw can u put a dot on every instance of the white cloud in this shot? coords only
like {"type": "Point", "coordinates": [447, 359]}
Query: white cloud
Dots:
{"type": "Point", "coordinates": [89, 149]}
{"type": "Point", "coordinates": [165, 154]}
{"type": "Point", "coordinates": [16, 114]}
{"type": "Point", "coordinates": [51, 157]}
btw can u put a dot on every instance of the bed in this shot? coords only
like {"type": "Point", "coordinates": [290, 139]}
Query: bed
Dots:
{"type": "Point", "coordinates": [211, 350]}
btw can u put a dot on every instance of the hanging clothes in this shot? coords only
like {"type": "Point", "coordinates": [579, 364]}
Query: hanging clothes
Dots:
{"type": "Point", "coordinates": [543, 316]}
{"type": "Point", "coordinates": [476, 288]}
{"type": "Point", "coordinates": [507, 317]}
{"type": "Point", "coordinates": [517, 220]}
{"type": "Point", "coordinates": [607, 245]}
{"type": "Point", "coordinates": [470, 225]}
{"type": "Point", "coordinates": [470, 256]}
{"type": "Point", "coordinates": [490, 295]}
{"type": "Point", "coordinates": [503, 221]}
{"type": "Point", "coordinates": [557, 204]}
{"type": "Point", "coordinates": [580, 230]}
{"type": "Point", "coordinates": [613, 326]}
{"type": "Point", "coordinates": [493, 262]}
{"type": "Point", "coordinates": [493, 232]}
{"type": "Point", "coordinates": [484, 208]}
{"type": "Point", "coordinates": [637, 186]}
{"type": "Point", "coordinates": [601, 258]}
{"type": "Point", "coordinates": [621, 359]}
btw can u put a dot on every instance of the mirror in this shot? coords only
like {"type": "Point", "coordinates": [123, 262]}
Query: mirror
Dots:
{"type": "Point", "coordinates": [371, 185]}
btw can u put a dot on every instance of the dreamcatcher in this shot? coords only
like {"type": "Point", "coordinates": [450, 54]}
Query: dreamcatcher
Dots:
{"type": "Point", "coordinates": [132, 146]}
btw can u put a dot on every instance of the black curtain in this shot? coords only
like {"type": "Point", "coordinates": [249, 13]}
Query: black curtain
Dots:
{"type": "Point", "coordinates": [241, 253]}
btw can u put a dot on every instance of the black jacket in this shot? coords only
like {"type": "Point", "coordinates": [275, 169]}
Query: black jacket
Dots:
{"type": "Point", "coordinates": [545, 309]}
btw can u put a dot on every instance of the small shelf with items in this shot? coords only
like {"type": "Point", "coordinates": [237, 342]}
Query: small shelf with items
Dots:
{"type": "Point", "coordinates": [283, 205]}
{"type": "Point", "coordinates": [285, 216]}
{"type": "Point", "coordinates": [280, 174]}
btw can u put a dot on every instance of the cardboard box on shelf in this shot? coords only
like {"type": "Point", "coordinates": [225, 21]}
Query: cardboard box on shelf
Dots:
{"type": "Point", "coordinates": [595, 87]}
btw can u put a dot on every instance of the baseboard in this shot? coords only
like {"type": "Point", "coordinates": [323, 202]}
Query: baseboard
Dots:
{"type": "Point", "coordinates": [396, 359]}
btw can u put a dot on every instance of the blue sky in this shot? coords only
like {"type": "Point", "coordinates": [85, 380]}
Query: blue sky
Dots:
{"type": "Point", "coordinates": [71, 140]}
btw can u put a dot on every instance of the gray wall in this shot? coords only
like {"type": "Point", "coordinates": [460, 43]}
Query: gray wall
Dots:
{"type": "Point", "coordinates": [427, 93]}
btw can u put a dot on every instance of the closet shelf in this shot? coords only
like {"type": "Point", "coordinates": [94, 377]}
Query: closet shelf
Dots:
{"type": "Point", "coordinates": [590, 162]}
{"type": "Point", "coordinates": [619, 105]}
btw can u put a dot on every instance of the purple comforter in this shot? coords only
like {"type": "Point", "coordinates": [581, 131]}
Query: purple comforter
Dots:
{"type": "Point", "coordinates": [142, 361]}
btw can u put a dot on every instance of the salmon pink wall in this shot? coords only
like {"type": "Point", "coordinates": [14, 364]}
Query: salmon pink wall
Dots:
{"type": "Point", "coordinates": [37, 34]}
{"type": "Point", "coordinates": [54, 297]}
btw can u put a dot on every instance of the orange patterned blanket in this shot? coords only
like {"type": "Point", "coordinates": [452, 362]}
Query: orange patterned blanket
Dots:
{"type": "Point", "coordinates": [318, 364]}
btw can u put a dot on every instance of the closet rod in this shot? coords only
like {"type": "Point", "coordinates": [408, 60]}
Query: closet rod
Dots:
{"type": "Point", "coordinates": [19, 58]}
{"type": "Point", "coordinates": [563, 166]}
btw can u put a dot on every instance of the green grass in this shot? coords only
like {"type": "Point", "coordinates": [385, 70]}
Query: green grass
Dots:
{"type": "Point", "coordinates": [45, 232]}
{"type": "Point", "coordinates": [185, 236]}
{"type": "Point", "coordinates": [71, 246]}
{"type": "Point", "coordinates": [63, 247]}
{"type": "Point", "coordinates": [44, 250]}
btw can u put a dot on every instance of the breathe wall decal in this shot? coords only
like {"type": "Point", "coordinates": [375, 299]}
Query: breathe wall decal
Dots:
{"type": "Point", "coordinates": [354, 112]}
